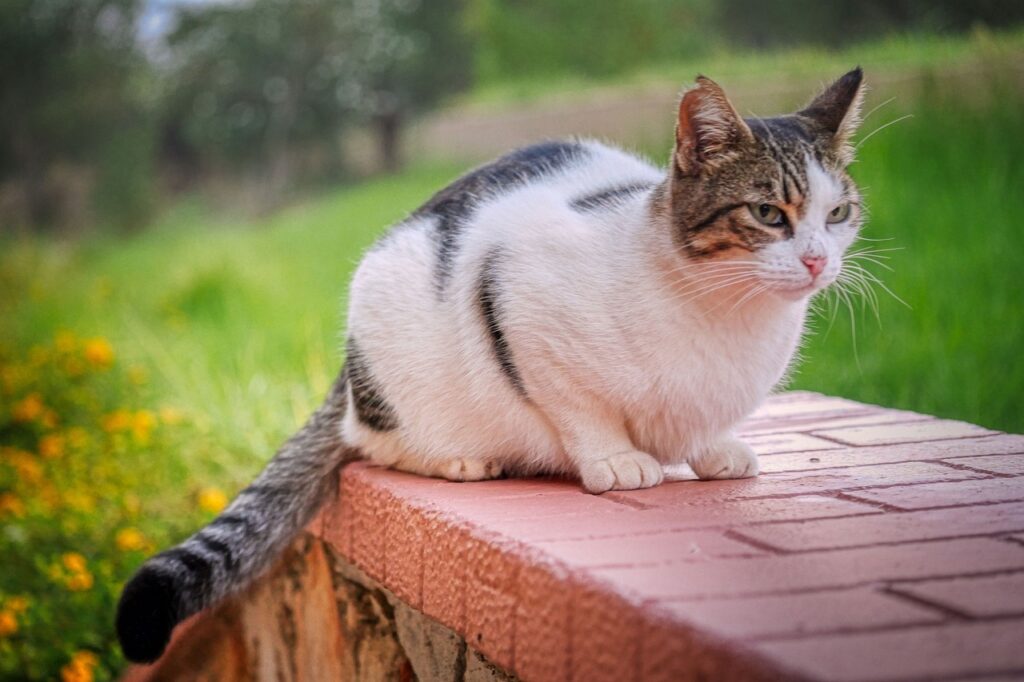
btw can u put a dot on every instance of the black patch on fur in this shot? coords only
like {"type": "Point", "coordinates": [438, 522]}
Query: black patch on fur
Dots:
{"type": "Point", "coordinates": [367, 398]}
{"type": "Point", "coordinates": [146, 615]}
{"type": "Point", "coordinates": [608, 197]}
{"type": "Point", "coordinates": [232, 520]}
{"type": "Point", "coordinates": [218, 548]}
{"type": "Point", "coordinates": [454, 205]}
{"type": "Point", "coordinates": [198, 567]}
{"type": "Point", "coordinates": [488, 298]}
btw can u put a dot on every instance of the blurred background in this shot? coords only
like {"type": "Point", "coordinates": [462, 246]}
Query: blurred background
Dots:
{"type": "Point", "coordinates": [186, 186]}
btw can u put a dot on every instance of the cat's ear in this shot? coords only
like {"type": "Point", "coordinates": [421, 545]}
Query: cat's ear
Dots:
{"type": "Point", "coordinates": [709, 131]}
{"type": "Point", "coordinates": [836, 111]}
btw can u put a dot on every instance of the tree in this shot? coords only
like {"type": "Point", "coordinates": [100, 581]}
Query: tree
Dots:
{"type": "Point", "coordinates": [255, 82]}
{"type": "Point", "coordinates": [67, 69]}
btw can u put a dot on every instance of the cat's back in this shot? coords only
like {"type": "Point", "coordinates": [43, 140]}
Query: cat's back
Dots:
{"type": "Point", "coordinates": [566, 165]}
{"type": "Point", "coordinates": [526, 189]}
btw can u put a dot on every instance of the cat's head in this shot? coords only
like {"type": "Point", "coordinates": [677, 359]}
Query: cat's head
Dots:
{"type": "Point", "coordinates": [771, 193]}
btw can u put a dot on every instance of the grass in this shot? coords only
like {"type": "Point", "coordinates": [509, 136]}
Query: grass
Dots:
{"type": "Point", "coordinates": [234, 327]}
{"type": "Point", "coordinates": [896, 53]}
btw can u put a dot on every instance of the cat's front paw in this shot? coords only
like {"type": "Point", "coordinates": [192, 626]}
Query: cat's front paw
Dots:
{"type": "Point", "coordinates": [731, 458]}
{"type": "Point", "coordinates": [624, 471]}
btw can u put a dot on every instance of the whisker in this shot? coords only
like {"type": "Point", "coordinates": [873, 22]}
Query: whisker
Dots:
{"type": "Point", "coordinates": [881, 128]}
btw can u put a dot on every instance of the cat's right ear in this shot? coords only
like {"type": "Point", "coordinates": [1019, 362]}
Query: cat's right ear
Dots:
{"type": "Point", "coordinates": [709, 131]}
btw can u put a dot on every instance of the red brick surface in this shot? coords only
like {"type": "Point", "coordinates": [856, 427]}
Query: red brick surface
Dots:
{"type": "Point", "coordinates": [877, 544]}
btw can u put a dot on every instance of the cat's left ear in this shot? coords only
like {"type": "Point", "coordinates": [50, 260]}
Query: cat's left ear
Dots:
{"type": "Point", "coordinates": [836, 111]}
{"type": "Point", "coordinates": [709, 131]}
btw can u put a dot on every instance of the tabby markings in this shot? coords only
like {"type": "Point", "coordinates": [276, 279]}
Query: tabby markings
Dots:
{"type": "Point", "coordinates": [454, 205]}
{"type": "Point", "coordinates": [487, 297]}
{"type": "Point", "coordinates": [367, 398]}
{"type": "Point", "coordinates": [608, 197]}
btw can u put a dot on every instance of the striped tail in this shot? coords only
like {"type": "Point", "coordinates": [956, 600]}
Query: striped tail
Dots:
{"type": "Point", "coordinates": [242, 542]}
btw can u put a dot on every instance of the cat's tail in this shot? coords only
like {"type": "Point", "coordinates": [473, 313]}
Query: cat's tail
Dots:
{"type": "Point", "coordinates": [243, 541]}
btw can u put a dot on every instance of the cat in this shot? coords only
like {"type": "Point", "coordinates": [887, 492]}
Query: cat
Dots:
{"type": "Point", "coordinates": [566, 309]}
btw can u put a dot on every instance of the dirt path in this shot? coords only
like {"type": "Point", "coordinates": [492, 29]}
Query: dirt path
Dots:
{"type": "Point", "coordinates": [641, 116]}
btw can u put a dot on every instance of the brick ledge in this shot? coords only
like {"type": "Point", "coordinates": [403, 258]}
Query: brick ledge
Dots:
{"type": "Point", "coordinates": [877, 544]}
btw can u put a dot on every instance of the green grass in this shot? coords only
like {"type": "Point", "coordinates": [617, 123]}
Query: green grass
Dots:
{"type": "Point", "coordinates": [897, 53]}
{"type": "Point", "coordinates": [237, 323]}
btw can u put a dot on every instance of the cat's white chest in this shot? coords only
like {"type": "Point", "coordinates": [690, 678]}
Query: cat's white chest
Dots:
{"type": "Point", "coordinates": [701, 383]}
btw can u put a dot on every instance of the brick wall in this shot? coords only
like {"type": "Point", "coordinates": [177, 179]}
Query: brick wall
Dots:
{"type": "Point", "coordinates": [877, 544]}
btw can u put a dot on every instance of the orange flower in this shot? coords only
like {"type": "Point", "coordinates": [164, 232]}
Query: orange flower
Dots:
{"type": "Point", "coordinates": [27, 467]}
{"type": "Point", "coordinates": [119, 420]}
{"type": "Point", "coordinates": [28, 409]}
{"type": "Point", "coordinates": [80, 582]}
{"type": "Point", "coordinates": [80, 668]}
{"type": "Point", "coordinates": [129, 539]}
{"type": "Point", "coordinates": [212, 500]}
{"type": "Point", "coordinates": [8, 623]}
{"type": "Point", "coordinates": [99, 352]}
{"type": "Point", "coordinates": [9, 504]}
{"type": "Point", "coordinates": [73, 561]}
{"type": "Point", "coordinates": [143, 422]}
{"type": "Point", "coordinates": [18, 604]}
{"type": "Point", "coordinates": [51, 447]}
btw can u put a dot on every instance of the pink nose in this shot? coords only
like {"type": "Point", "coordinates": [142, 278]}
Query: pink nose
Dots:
{"type": "Point", "coordinates": [814, 265]}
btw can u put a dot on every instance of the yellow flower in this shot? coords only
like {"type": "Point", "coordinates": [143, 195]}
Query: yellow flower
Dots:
{"type": "Point", "coordinates": [28, 409]}
{"type": "Point", "coordinates": [142, 425]}
{"type": "Point", "coordinates": [9, 504]}
{"type": "Point", "coordinates": [8, 622]}
{"type": "Point", "coordinates": [18, 604]}
{"type": "Point", "coordinates": [79, 582]}
{"type": "Point", "coordinates": [99, 352]}
{"type": "Point", "coordinates": [119, 420]}
{"type": "Point", "coordinates": [79, 500]}
{"type": "Point", "coordinates": [129, 539]}
{"type": "Point", "coordinates": [51, 447]}
{"type": "Point", "coordinates": [80, 668]}
{"type": "Point", "coordinates": [73, 561]}
{"type": "Point", "coordinates": [212, 500]}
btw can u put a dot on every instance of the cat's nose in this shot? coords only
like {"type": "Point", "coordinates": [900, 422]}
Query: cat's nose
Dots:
{"type": "Point", "coordinates": [814, 265]}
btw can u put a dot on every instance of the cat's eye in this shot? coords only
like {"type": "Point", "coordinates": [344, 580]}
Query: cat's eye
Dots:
{"type": "Point", "coordinates": [769, 215]}
{"type": "Point", "coordinates": [838, 214]}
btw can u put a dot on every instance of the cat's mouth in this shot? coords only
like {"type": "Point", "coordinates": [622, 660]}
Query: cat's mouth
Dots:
{"type": "Point", "coordinates": [798, 292]}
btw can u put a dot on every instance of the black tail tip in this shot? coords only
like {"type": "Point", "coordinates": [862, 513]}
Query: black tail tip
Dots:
{"type": "Point", "coordinates": [146, 615]}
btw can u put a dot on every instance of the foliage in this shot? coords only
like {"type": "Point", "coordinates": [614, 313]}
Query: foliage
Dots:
{"type": "Point", "coordinates": [783, 23]}
{"type": "Point", "coordinates": [254, 82]}
{"type": "Point", "coordinates": [66, 96]}
{"type": "Point", "coordinates": [76, 461]}
{"type": "Point", "coordinates": [539, 37]}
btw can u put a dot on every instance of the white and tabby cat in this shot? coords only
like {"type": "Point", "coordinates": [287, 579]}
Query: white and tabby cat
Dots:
{"type": "Point", "coordinates": [568, 308]}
